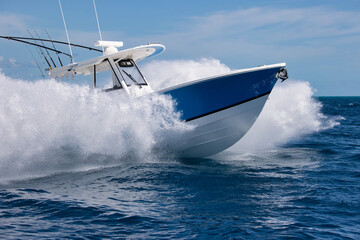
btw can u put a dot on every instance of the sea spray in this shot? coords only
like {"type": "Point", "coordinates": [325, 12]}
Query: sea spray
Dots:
{"type": "Point", "coordinates": [290, 112]}
{"type": "Point", "coordinates": [163, 74]}
{"type": "Point", "coordinates": [43, 121]}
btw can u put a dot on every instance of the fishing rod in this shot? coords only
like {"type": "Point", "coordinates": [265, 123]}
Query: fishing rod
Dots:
{"type": "Point", "coordinates": [34, 44]}
{"type": "Point", "coordinates": [52, 42]}
{"type": "Point", "coordinates": [38, 51]}
{"type": "Point", "coordinates": [37, 64]}
{"type": "Point", "coordinates": [47, 40]}
{"type": "Point", "coordinates": [46, 49]}
{"type": "Point", "coordinates": [42, 53]}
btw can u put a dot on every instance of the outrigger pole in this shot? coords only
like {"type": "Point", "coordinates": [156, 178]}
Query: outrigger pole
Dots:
{"type": "Point", "coordinates": [47, 40]}
{"type": "Point", "coordinates": [22, 40]}
{"type": "Point", "coordinates": [19, 39]}
{"type": "Point", "coordinates": [25, 40]}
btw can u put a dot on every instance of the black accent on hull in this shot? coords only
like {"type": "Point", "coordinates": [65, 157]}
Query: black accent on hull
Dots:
{"type": "Point", "coordinates": [230, 106]}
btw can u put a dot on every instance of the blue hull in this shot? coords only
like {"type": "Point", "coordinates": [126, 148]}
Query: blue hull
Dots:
{"type": "Point", "coordinates": [204, 97]}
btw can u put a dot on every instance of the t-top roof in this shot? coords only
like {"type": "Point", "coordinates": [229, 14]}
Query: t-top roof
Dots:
{"type": "Point", "coordinates": [86, 67]}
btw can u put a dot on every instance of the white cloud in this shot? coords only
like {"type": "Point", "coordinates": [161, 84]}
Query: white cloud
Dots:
{"type": "Point", "coordinates": [263, 35]}
{"type": "Point", "coordinates": [289, 23]}
{"type": "Point", "coordinates": [13, 23]}
{"type": "Point", "coordinates": [1, 58]}
{"type": "Point", "coordinates": [12, 61]}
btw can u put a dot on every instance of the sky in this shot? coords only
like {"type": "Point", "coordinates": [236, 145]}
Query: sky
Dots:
{"type": "Point", "coordinates": [319, 40]}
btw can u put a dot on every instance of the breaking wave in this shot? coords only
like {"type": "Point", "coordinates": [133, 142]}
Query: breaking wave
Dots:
{"type": "Point", "coordinates": [48, 126]}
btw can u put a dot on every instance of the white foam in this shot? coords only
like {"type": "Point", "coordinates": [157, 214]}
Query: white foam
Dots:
{"type": "Point", "coordinates": [44, 121]}
{"type": "Point", "coordinates": [163, 74]}
{"type": "Point", "coordinates": [290, 113]}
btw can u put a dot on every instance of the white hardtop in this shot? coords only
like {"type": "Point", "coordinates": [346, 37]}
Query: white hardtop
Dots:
{"type": "Point", "coordinates": [86, 67]}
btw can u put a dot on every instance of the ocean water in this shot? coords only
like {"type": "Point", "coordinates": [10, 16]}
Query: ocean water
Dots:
{"type": "Point", "coordinates": [83, 165]}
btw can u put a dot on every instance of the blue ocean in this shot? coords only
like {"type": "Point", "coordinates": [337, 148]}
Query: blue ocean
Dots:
{"type": "Point", "coordinates": [295, 175]}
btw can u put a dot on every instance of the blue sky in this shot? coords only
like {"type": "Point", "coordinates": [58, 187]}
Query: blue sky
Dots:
{"type": "Point", "coordinates": [319, 40]}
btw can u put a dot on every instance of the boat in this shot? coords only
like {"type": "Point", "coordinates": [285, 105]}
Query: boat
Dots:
{"type": "Point", "coordinates": [220, 108]}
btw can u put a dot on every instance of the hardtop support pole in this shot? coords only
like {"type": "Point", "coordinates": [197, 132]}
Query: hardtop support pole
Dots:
{"type": "Point", "coordinates": [117, 74]}
{"type": "Point", "coordinates": [93, 78]}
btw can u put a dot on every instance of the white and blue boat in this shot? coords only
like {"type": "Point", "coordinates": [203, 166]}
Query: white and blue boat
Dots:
{"type": "Point", "coordinates": [220, 108]}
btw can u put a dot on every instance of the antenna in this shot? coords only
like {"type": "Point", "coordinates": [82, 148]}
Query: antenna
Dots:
{"type": "Point", "coordinates": [97, 20]}
{"type": "Point", "coordinates": [67, 35]}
